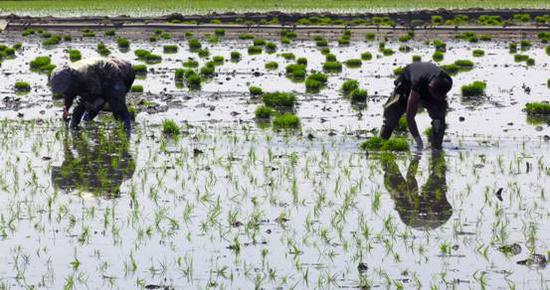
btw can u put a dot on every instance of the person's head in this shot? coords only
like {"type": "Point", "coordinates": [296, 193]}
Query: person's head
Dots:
{"type": "Point", "coordinates": [62, 82]}
{"type": "Point", "coordinates": [440, 86]}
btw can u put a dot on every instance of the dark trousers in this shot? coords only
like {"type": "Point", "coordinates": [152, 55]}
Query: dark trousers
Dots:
{"type": "Point", "coordinates": [396, 106]}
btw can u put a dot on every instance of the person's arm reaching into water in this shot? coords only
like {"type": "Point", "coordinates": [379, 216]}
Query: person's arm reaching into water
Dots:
{"type": "Point", "coordinates": [68, 102]}
{"type": "Point", "coordinates": [412, 107]}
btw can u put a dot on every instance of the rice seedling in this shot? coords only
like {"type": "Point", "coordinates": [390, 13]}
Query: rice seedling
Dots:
{"type": "Point", "coordinates": [332, 66]}
{"type": "Point", "coordinates": [259, 42]}
{"type": "Point", "coordinates": [476, 88]}
{"type": "Point", "coordinates": [137, 89]}
{"type": "Point", "coordinates": [464, 64]}
{"type": "Point", "coordinates": [478, 52]}
{"type": "Point", "coordinates": [288, 55]}
{"type": "Point", "coordinates": [264, 112]}
{"type": "Point", "coordinates": [296, 72]}
{"type": "Point", "coordinates": [52, 40]}
{"type": "Point", "coordinates": [315, 82]}
{"type": "Point", "coordinates": [110, 32]}
{"type": "Point", "coordinates": [88, 33]}
{"type": "Point", "coordinates": [387, 51]}
{"type": "Point", "coordinates": [140, 70]}
{"type": "Point", "coordinates": [416, 58]}
{"type": "Point", "coordinates": [272, 65]}
{"type": "Point", "coordinates": [286, 121]}
{"type": "Point", "coordinates": [42, 64]}
{"type": "Point", "coordinates": [270, 47]}
{"type": "Point", "coordinates": [540, 108]}
{"type": "Point", "coordinates": [279, 100]}
{"type": "Point", "coordinates": [530, 61]}
{"type": "Point", "coordinates": [379, 144]}
{"type": "Point", "coordinates": [22, 87]}
{"type": "Point", "coordinates": [255, 91]}
{"type": "Point", "coordinates": [219, 32]}
{"type": "Point", "coordinates": [235, 56]}
{"type": "Point", "coordinates": [169, 127]}
{"type": "Point", "coordinates": [353, 63]}
{"type": "Point", "coordinates": [366, 55]}
{"type": "Point", "coordinates": [253, 50]}
{"type": "Point", "coordinates": [370, 36]}
{"type": "Point", "coordinates": [123, 43]}
{"type": "Point", "coordinates": [194, 44]}
{"type": "Point", "coordinates": [246, 36]}
{"type": "Point", "coordinates": [520, 57]}
{"type": "Point", "coordinates": [170, 48]}
{"type": "Point", "coordinates": [102, 49]}
{"type": "Point", "coordinates": [398, 70]}
{"type": "Point", "coordinates": [525, 44]}
{"type": "Point", "coordinates": [437, 56]}
{"type": "Point", "coordinates": [359, 96]}
{"type": "Point", "coordinates": [75, 55]}
{"type": "Point", "coordinates": [190, 63]}
{"type": "Point", "coordinates": [349, 86]}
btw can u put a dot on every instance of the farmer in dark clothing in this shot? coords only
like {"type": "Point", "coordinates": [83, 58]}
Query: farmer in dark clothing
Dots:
{"type": "Point", "coordinates": [420, 83]}
{"type": "Point", "coordinates": [95, 81]}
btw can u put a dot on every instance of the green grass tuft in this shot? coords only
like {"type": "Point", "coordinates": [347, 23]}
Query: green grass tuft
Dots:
{"type": "Point", "coordinates": [392, 144]}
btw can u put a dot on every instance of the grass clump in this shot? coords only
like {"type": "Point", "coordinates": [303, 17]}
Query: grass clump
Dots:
{"type": "Point", "coordinates": [359, 96]}
{"type": "Point", "coordinates": [437, 56]}
{"type": "Point", "coordinates": [478, 52]}
{"type": "Point", "coordinates": [332, 66]}
{"type": "Point", "coordinates": [52, 40]}
{"type": "Point", "coordinates": [387, 51]}
{"type": "Point", "coordinates": [366, 55]}
{"type": "Point", "coordinates": [302, 61]}
{"type": "Point", "coordinates": [398, 70]}
{"type": "Point", "coordinates": [190, 63]}
{"type": "Point", "coordinates": [170, 48]}
{"type": "Point", "coordinates": [272, 65]}
{"type": "Point", "coordinates": [153, 59]}
{"type": "Point", "coordinates": [392, 144]}
{"type": "Point", "coordinates": [451, 69]}
{"type": "Point", "coordinates": [353, 63]}
{"type": "Point", "coordinates": [219, 32]}
{"type": "Point", "coordinates": [416, 58]}
{"type": "Point", "coordinates": [75, 55]}
{"type": "Point", "coordinates": [246, 36]}
{"type": "Point", "coordinates": [194, 44]}
{"type": "Point", "coordinates": [370, 36]}
{"type": "Point", "coordinates": [315, 82]}
{"type": "Point", "coordinates": [286, 121]}
{"type": "Point", "coordinates": [264, 112]}
{"type": "Point", "coordinates": [102, 49]}
{"type": "Point", "coordinates": [464, 64]}
{"type": "Point", "coordinates": [296, 71]}
{"type": "Point", "coordinates": [42, 64]}
{"type": "Point", "coordinates": [259, 42]}
{"type": "Point", "coordinates": [520, 57]}
{"type": "Point", "coordinates": [235, 56]}
{"type": "Point", "coordinates": [255, 91]}
{"type": "Point", "coordinates": [270, 47]}
{"type": "Point", "coordinates": [123, 43]}
{"type": "Point", "coordinates": [137, 89]}
{"type": "Point", "coordinates": [349, 86]}
{"type": "Point", "coordinates": [538, 108]}
{"type": "Point", "coordinates": [476, 88]}
{"type": "Point", "coordinates": [288, 55]}
{"type": "Point", "coordinates": [279, 100]}
{"type": "Point", "coordinates": [22, 87]}
{"type": "Point", "coordinates": [169, 127]}
{"type": "Point", "coordinates": [252, 50]}
{"type": "Point", "coordinates": [140, 69]}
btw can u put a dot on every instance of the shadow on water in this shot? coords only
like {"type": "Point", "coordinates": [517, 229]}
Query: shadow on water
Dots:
{"type": "Point", "coordinates": [421, 208]}
{"type": "Point", "coordinates": [95, 161]}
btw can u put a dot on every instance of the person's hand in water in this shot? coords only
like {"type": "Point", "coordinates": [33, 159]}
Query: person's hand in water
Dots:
{"type": "Point", "coordinates": [419, 143]}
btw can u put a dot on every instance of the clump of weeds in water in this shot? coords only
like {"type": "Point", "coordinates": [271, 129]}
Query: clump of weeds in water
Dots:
{"type": "Point", "coordinates": [255, 91]}
{"type": "Point", "coordinates": [123, 43]}
{"type": "Point", "coordinates": [349, 86]}
{"type": "Point", "coordinates": [332, 66]}
{"type": "Point", "coordinates": [137, 89]}
{"type": "Point", "coordinates": [286, 121]}
{"type": "Point", "coordinates": [102, 49]}
{"type": "Point", "coordinates": [192, 78]}
{"type": "Point", "coordinates": [279, 100]}
{"type": "Point", "coordinates": [315, 82]}
{"type": "Point", "coordinates": [42, 64]}
{"type": "Point", "coordinates": [264, 112]}
{"type": "Point", "coordinates": [538, 108]}
{"type": "Point", "coordinates": [359, 96]}
{"type": "Point", "coordinates": [169, 127]}
{"type": "Point", "coordinates": [392, 144]}
{"type": "Point", "coordinates": [190, 63]}
{"type": "Point", "coordinates": [75, 55]}
{"type": "Point", "coordinates": [353, 63]}
{"type": "Point", "coordinates": [366, 56]}
{"type": "Point", "coordinates": [438, 56]}
{"type": "Point", "coordinates": [272, 65]}
{"type": "Point", "coordinates": [474, 89]}
{"type": "Point", "coordinates": [416, 58]}
{"type": "Point", "coordinates": [140, 70]}
{"type": "Point", "coordinates": [22, 87]}
{"type": "Point", "coordinates": [253, 50]}
{"type": "Point", "coordinates": [478, 52]}
{"type": "Point", "coordinates": [147, 56]}
{"type": "Point", "coordinates": [235, 56]}
{"type": "Point", "coordinates": [170, 48]}
{"type": "Point", "coordinates": [296, 72]}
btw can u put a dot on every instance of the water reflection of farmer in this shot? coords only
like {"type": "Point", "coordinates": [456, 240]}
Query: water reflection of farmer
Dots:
{"type": "Point", "coordinates": [426, 208]}
{"type": "Point", "coordinates": [96, 162]}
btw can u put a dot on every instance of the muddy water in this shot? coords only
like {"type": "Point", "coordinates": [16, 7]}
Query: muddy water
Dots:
{"type": "Point", "coordinates": [228, 205]}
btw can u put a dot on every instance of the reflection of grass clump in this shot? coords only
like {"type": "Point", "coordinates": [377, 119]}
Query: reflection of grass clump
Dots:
{"type": "Point", "coordinates": [476, 88]}
{"type": "Point", "coordinates": [169, 127]}
{"type": "Point", "coordinates": [538, 108]}
{"type": "Point", "coordinates": [286, 121]}
{"type": "Point", "coordinates": [392, 144]}
{"type": "Point", "coordinates": [279, 100]}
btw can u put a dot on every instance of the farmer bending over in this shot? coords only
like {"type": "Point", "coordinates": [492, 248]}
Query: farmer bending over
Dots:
{"type": "Point", "coordinates": [95, 81]}
{"type": "Point", "coordinates": [424, 83]}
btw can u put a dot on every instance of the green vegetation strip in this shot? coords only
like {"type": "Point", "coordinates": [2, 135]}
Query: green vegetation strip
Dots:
{"type": "Point", "coordinates": [156, 7]}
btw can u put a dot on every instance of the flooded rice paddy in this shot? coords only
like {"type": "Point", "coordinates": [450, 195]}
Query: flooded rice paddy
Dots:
{"type": "Point", "coordinates": [231, 204]}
